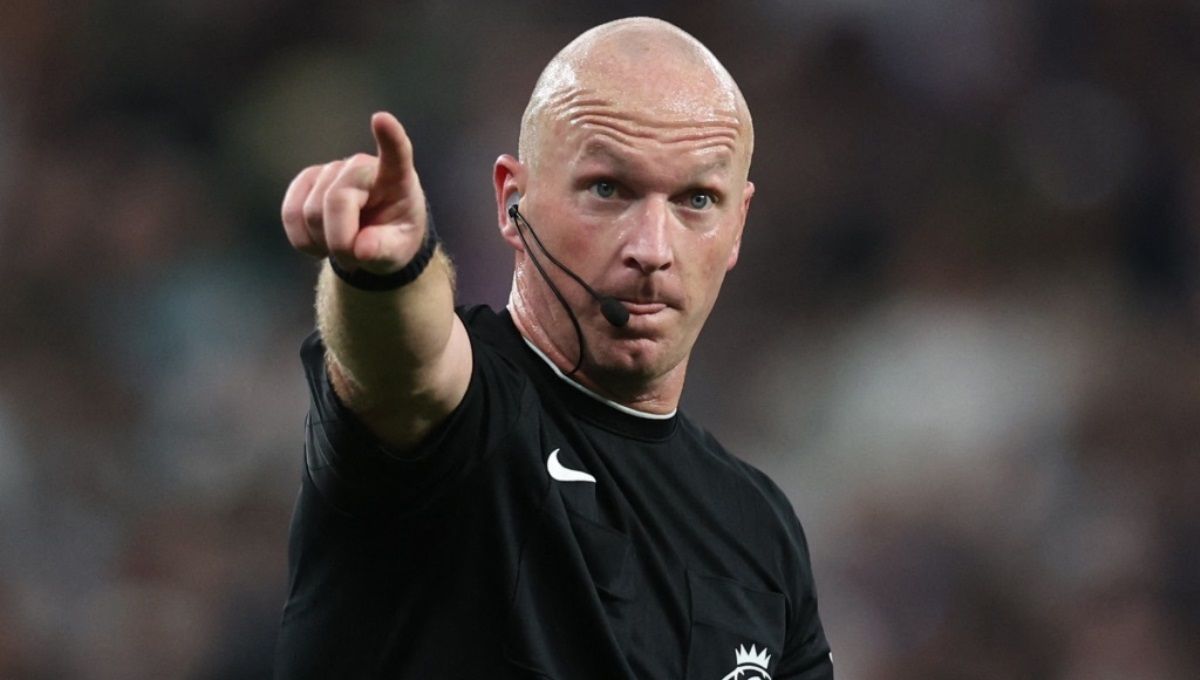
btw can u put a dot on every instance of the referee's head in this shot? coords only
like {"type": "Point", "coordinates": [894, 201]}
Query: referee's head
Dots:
{"type": "Point", "coordinates": [633, 163]}
{"type": "Point", "coordinates": [645, 60]}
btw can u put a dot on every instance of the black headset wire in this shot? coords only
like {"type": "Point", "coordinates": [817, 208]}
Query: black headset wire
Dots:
{"type": "Point", "coordinates": [518, 218]}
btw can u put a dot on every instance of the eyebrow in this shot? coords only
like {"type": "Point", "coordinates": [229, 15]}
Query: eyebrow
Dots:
{"type": "Point", "coordinates": [597, 148]}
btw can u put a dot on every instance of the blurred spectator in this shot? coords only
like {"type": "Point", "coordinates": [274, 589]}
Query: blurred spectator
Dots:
{"type": "Point", "coordinates": [971, 271]}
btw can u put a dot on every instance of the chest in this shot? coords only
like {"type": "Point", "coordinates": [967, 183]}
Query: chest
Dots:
{"type": "Point", "coordinates": [643, 559]}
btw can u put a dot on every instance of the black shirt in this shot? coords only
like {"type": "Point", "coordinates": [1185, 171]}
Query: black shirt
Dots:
{"type": "Point", "coordinates": [540, 532]}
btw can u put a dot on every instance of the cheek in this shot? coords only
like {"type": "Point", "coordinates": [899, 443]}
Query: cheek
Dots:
{"type": "Point", "coordinates": [585, 250]}
{"type": "Point", "coordinates": [717, 249]}
{"type": "Point", "coordinates": [577, 244]}
{"type": "Point", "coordinates": [594, 241]}
{"type": "Point", "coordinates": [711, 258]}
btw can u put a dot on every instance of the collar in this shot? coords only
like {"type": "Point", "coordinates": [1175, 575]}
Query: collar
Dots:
{"type": "Point", "coordinates": [599, 410]}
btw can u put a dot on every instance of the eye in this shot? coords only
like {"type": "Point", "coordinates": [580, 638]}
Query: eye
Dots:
{"type": "Point", "coordinates": [701, 200]}
{"type": "Point", "coordinates": [604, 189]}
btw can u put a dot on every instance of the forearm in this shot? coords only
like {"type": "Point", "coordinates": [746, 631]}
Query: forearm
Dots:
{"type": "Point", "coordinates": [398, 358]}
{"type": "Point", "coordinates": [393, 350]}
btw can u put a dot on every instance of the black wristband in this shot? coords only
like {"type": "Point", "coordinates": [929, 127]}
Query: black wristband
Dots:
{"type": "Point", "coordinates": [365, 280]}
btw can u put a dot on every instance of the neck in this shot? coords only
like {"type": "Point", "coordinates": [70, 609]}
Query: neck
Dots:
{"type": "Point", "coordinates": [655, 395]}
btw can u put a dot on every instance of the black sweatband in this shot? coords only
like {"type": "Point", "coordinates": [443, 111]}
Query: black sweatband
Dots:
{"type": "Point", "coordinates": [365, 280]}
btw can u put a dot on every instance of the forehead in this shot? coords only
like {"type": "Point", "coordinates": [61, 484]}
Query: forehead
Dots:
{"type": "Point", "coordinates": [604, 153]}
{"type": "Point", "coordinates": [586, 124]}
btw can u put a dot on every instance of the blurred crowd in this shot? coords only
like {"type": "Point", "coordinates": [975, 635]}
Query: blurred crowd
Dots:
{"type": "Point", "coordinates": [964, 335]}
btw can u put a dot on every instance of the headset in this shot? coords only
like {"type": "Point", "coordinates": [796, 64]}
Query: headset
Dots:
{"type": "Point", "coordinates": [612, 309]}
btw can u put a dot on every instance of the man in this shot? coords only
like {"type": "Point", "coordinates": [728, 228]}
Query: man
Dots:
{"type": "Point", "coordinates": [513, 494]}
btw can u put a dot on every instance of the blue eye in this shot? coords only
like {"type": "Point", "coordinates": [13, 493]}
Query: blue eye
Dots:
{"type": "Point", "coordinates": [605, 189]}
{"type": "Point", "coordinates": [701, 200]}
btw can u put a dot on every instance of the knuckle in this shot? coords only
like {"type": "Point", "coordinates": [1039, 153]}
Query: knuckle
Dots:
{"type": "Point", "coordinates": [307, 173]}
{"type": "Point", "coordinates": [339, 201]}
{"type": "Point", "coordinates": [314, 213]}
{"type": "Point", "coordinates": [292, 215]}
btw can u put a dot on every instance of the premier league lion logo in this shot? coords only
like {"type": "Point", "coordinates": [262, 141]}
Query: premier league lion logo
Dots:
{"type": "Point", "coordinates": [751, 665]}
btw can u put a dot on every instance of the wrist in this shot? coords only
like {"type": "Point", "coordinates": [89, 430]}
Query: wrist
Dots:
{"type": "Point", "coordinates": [362, 279]}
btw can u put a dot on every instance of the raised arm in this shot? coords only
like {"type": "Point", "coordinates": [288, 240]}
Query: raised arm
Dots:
{"type": "Point", "coordinates": [399, 359]}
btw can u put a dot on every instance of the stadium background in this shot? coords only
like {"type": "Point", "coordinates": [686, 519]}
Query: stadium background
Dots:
{"type": "Point", "coordinates": [962, 337]}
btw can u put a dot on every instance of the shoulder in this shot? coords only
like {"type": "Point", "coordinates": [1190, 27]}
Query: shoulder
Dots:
{"type": "Point", "coordinates": [357, 472]}
{"type": "Point", "coordinates": [497, 346]}
{"type": "Point", "coordinates": [770, 505]}
{"type": "Point", "coordinates": [487, 325]}
{"type": "Point", "coordinates": [717, 455]}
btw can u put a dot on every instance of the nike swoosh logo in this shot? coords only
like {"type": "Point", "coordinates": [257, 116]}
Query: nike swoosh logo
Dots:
{"type": "Point", "coordinates": [565, 474]}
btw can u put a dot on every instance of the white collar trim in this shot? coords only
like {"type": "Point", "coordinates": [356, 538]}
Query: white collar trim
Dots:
{"type": "Point", "coordinates": [609, 402]}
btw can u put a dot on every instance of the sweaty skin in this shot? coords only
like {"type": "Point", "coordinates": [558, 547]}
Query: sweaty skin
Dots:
{"type": "Point", "coordinates": [626, 51]}
{"type": "Point", "coordinates": [635, 149]}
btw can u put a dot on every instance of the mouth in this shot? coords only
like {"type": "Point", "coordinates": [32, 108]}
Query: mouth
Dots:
{"type": "Point", "coordinates": [643, 308]}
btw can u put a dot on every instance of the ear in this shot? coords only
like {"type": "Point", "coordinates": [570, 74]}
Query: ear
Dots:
{"type": "Point", "coordinates": [743, 210]}
{"type": "Point", "coordinates": [508, 179]}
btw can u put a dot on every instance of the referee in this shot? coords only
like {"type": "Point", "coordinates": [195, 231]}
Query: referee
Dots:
{"type": "Point", "coordinates": [513, 493]}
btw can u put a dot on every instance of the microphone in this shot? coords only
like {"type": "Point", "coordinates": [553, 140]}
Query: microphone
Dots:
{"type": "Point", "coordinates": [612, 309]}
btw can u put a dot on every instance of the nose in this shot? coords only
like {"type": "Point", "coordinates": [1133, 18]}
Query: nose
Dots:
{"type": "Point", "coordinates": [648, 246]}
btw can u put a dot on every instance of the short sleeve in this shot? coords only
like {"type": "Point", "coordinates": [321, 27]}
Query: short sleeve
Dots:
{"type": "Point", "coordinates": [358, 474]}
{"type": "Point", "coordinates": [806, 651]}
{"type": "Point", "coordinates": [806, 654]}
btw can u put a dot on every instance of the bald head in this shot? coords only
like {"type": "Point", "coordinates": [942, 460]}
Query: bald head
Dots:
{"type": "Point", "coordinates": [645, 66]}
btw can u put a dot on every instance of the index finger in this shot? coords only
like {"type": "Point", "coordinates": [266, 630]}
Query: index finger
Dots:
{"type": "Point", "coordinates": [394, 150]}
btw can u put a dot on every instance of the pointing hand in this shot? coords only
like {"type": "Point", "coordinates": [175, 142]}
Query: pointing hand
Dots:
{"type": "Point", "coordinates": [366, 211]}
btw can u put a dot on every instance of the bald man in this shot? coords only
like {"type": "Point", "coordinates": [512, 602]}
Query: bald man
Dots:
{"type": "Point", "coordinates": [514, 494]}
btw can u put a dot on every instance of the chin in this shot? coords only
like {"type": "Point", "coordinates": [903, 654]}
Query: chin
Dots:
{"type": "Point", "coordinates": [634, 359]}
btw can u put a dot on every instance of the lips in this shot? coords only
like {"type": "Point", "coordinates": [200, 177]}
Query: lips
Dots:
{"type": "Point", "coordinates": [642, 308]}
